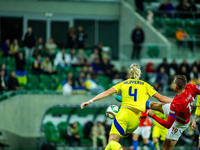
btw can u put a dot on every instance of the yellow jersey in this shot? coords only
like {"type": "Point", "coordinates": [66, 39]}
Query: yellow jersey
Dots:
{"type": "Point", "coordinates": [197, 112]}
{"type": "Point", "coordinates": [134, 93]}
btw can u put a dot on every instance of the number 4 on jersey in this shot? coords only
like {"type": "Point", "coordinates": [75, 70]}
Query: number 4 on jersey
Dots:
{"type": "Point", "coordinates": [133, 94]}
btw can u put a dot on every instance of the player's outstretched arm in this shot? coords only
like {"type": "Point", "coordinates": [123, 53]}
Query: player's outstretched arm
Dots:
{"type": "Point", "coordinates": [194, 125]}
{"type": "Point", "coordinates": [98, 97]}
{"type": "Point", "coordinates": [162, 98]}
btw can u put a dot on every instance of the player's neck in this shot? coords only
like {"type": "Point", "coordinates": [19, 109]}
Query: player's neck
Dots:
{"type": "Point", "coordinates": [180, 91]}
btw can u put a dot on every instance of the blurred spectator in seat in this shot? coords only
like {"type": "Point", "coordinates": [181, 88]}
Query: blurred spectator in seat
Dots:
{"type": "Point", "coordinates": [13, 84]}
{"type": "Point", "coordinates": [81, 37]}
{"type": "Point", "coordinates": [39, 47]}
{"type": "Point", "coordinates": [29, 43]}
{"type": "Point", "coordinates": [37, 65]}
{"type": "Point", "coordinates": [184, 71]}
{"type": "Point", "coordinates": [195, 80]}
{"type": "Point", "coordinates": [174, 66]}
{"type": "Point", "coordinates": [106, 66]}
{"type": "Point", "coordinates": [162, 78]}
{"type": "Point", "coordinates": [72, 56]}
{"type": "Point", "coordinates": [98, 133]}
{"type": "Point", "coordinates": [94, 55]}
{"type": "Point", "coordinates": [197, 64]}
{"type": "Point", "coordinates": [99, 47]}
{"type": "Point", "coordinates": [3, 68]}
{"type": "Point", "coordinates": [3, 84]}
{"type": "Point", "coordinates": [71, 37]}
{"type": "Point", "coordinates": [194, 72]}
{"type": "Point", "coordinates": [183, 39]}
{"type": "Point", "coordinates": [104, 53]}
{"type": "Point", "coordinates": [14, 48]}
{"type": "Point", "coordinates": [67, 88]}
{"type": "Point", "coordinates": [170, 8]}
{"type": "Point", "coordinates": [157, 87]}
{"type": "Point", "coordinates": [72, 131]}
{"type": "Point", "coordinates": [150, 16]}
{"type": "Point", "coordinates": [80, 81]}
{"type": "Point", "coordinates": [185, 63]}
{"type": "Point", "coordinates": [113, 72]}
{"type": "Point", "coordinates": [91, 85]}
{"type": "Point", "coordinates": [116, 79]}
{"type": "Point", "coordinates": [51, 47]}
{"type": "Point", "coordinates": [137, 38]}
{"type": "Point", "coordinates": [70, 77]}
{"type": "Point", "coordinates": [47, 66]}
{"type": "Point", "coordinates": [107, 128]}
{"type": "Point", "coordinates": [182, 9]}
{"type": "Point", "coordinates": [151, 72]}
{"type": "Point", "coordinates": [163, 9]}
{"type": "Point", "coordinates": [96, 65]}
{"type": "Point", "coordinates": [82, 58]}
{"type": "Point", "coordinates": [5, 48]}
{"type": "Point", "coordinates": [165, 65]}
{"type": "Point", "coordinates": [20, 62]}
{"type": "Point", "coordinates": [62, 59]}
{"type": "Point", "coordinates": [192, 7]}
{"type": "Point", "coordinates": [123, 73]}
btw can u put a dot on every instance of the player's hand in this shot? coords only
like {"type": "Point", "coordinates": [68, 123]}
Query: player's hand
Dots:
{"type": "Point", "coordinates": [150, 113]}
{"type": "Point", "coordinates": [84, 104]}
{"type": "Point", "coordinates": [194, 125]}
{"type": "Point", "coordinates": [145, 123]}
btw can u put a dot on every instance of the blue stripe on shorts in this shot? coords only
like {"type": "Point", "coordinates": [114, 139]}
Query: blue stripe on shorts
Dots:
{"type": "Point", "coordinates": [118, 127]}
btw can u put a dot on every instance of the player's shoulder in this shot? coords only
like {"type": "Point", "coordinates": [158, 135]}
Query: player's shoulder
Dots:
{"type": "Point", "coordinates": [190, 85]}
{"type": "Point", "coordinates": [178, 99]}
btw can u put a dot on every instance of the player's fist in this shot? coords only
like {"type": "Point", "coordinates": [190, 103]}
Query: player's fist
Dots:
{"type": "Point", "coordinates": [150, 113]}
{"type": "Point", "coordinates": [194, 125]}
{"type": "Point", "coordinates": [84, 104]}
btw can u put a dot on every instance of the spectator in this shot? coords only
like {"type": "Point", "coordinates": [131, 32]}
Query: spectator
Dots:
{"type": "Point", "coordinates": [107, 128]}
{"type": "Point", "coordinates": [29, 43]}
{"type": "Point", "coordinates": [106, 66]}
{"type": "Point", "coordinates": [62, 59]}
{"type": "Point", "coordinates": [81, 80]}
{"type": "Point", "coordinates": [94, 55]}
{"type": "Point", "coordinates": [162, 78]}
{"type": "Point", "coordinates": [137, 39]}
{"type": "Point", "coordinates": [104, 53]}
{"type": "Point", "coordinates": [185, 63]}
{"type": "Point", "coordinates": [195, 80]}
{"type": "Point", "coordinates": [91, 85]}
{"type": "Point", "coordinates": [70, 77]}
{"type": "Point", "coordinates": [150, 16]}
{"type": "Point", "coordinates": [197, 64]}
{"type": "Point", "coordinates": [37, 65]}
{"type": "Point", "coordinates": [183, 38]}
{"type": "Point", "coordinates": [165, 65]}
{"type": "Point", "coordinates": [3, 84]}
{"type": "Point", "coordinates": [3, 68]}
{"type": "Point", "coordinates": [40, 47]}
{"type": "Point", "coordinates": [96, 65]}
{"type": "Point", "coordinates": [51, 47]}
{"type": "Point", "coordinates": [116, 79]}
{"type": "Point", "coordinates": [20, 62]}
{"type": "Point", "coordinates": [163, 9]}
{"type": "Point", "coordinates": [157, 87]}
{"type": "Point", "coordinates": [170, 8]}
{"type": "Point", "coordinates": [13, 84]}
{"type": "Point", "coordinates": [174, 66]}
{"type": "Point", "coordinates": [113, 72]}
{"type": "Point", "coordinates": [184, 71]}
{"type": "Point", "coordinates": [82, 58]}
{"type": "Point", "coordinates": [182, 9]}
{"type": "Point", "coordinates": [194, 72]}
{"type": "Point", "coordinates": [98, 133]}
{"type": "Point", "coordinates": [151, 72]}
{"type": "Point", "coordinates": [6, 48]}
{"type": "Point", "coordinates": [81, 37]}
{"type": "Point", "coordinates": [71, 36]}
{"type": "Point", "coordinates": [123, 73]}
{"type": "Point", "coordinates": [14, 48]}
{"type": "Point", "coordinates": [47, 66]}
{"type": "Point", "coordinates": [72, 131]}
{"type": "Point", "coordinates": [192, 7]}
{"type": "Point", "coordinates": [73, 59]}
{"type": "Point", "coordinates": [67, 88]}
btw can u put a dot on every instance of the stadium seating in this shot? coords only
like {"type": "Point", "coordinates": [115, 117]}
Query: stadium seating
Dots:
{"type": "Point", "coordinates": [153, 51]}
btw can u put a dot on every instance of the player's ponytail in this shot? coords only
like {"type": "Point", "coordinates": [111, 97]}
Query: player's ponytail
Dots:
{"type": "Point", "coordinates": [134, 71]}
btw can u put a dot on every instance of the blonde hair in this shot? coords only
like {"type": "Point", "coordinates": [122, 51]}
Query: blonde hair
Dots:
{"type": "Point", "coordinates": [134, 71]}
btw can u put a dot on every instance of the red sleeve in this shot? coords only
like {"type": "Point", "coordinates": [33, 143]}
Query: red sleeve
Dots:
{"type": "Point", "coordinates": [167, 124]}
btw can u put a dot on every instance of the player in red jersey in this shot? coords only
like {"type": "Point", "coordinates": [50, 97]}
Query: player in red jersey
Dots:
{"type": "Point", "coordinates": [144, 129]}
{"type": "Point", "coordinates": [178, 112]}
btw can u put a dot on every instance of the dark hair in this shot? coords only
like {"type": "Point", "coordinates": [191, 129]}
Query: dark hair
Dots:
{"type": "Point", "coordinates": [180, 81]}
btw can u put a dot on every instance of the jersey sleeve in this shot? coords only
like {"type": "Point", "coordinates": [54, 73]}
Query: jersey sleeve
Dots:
{"type": "Point", "coordinates": [150, 90]}
{"type": "Point", "coordinates": [117, 87]}
{"type": "Point", "coordinates": [196, 88]}
{"type": "Point", "coordinates": [197, 112]}
{"type": "Point", "coordinates": [174, 109]}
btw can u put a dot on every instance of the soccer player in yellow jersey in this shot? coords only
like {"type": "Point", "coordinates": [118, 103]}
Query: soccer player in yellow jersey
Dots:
{"type": "Point", "coordinates": [134, 93]}
{"type": "Point", "coordinates": [158, 130]}
{"type": "Point", "coordinates": [197, 114]}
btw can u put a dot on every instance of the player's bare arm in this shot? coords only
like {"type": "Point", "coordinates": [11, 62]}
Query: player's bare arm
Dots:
{"type": "Point", "coordinates": [194, 125]}
{"type": "Point", "coordinates": [162, 98]}
{"type": "Point", "coordinates": [99, 97]}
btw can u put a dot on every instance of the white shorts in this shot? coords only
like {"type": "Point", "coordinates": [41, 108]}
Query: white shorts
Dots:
{"type": "Point", "coordinates": [143, 131]}
{"type": "Point", "coordinates": [177, 128]}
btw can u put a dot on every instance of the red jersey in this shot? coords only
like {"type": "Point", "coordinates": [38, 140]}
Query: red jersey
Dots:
{"type": "Point", "coordinates": [143, 119]}
{"type": "Point", "coordinates": [182, 105]}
